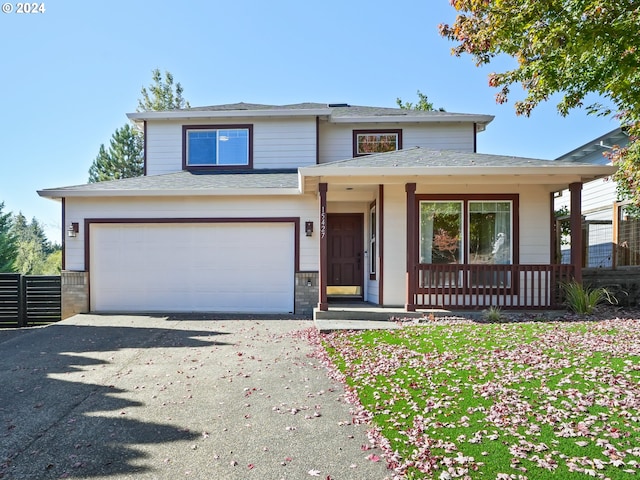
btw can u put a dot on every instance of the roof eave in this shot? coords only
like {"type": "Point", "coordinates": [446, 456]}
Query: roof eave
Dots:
{"type": "Point", "coordinates": [440, 118]}
{"type": "Point", "coordinates": [586, 173]}
{"type": "Point", "coordinates": [80, 193]}
{"type": "Point", "coordinates": [201, 114]}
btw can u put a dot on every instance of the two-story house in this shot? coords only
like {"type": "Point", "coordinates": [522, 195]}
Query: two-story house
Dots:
{"type": "Point", "coordinates": [266, 208]}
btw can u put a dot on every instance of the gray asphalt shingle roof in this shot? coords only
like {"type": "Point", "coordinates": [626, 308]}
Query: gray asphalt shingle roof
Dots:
{"type": "Point", "coordinates": [337, 110]}
{"type": "Point", "coordinates": [256, 106]}
{"type": "Point", "coordinates": [420, 157]}
{"type": "Point", "coordinates": [186, 180]}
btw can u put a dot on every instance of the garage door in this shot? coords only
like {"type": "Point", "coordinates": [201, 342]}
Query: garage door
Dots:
{"type": "Point", "coordinates": [217, 267]}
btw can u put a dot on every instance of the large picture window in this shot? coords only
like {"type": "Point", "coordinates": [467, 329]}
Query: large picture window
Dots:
{"type": "Point", "coordinates": [366, 142]}
{"type": "Point", "coordinates": [471, 231]}
{"type": "Point", "coordinates": [217, 146]}
{"type": "Point", "coordinates": [490, 232]}
{"type": "Point", "coordinates": [441, 230]}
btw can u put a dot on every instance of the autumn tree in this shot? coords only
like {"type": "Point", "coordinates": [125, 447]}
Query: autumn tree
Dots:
{"type": "Point", "coordinates": [35, 255]}
{"type": "Point", "coordinates": [124, 156]}
{"type": "Point", "coordinates": [574, 48]}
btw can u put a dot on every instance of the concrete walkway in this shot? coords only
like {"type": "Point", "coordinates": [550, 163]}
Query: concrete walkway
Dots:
{"type": "Point", "coordinates": [157, 397]}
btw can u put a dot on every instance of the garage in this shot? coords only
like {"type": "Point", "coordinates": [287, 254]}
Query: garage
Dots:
{"type": "Point", "coordinates": [192, 267]}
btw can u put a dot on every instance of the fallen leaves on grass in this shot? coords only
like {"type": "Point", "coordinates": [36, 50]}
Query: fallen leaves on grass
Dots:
{"type": "Point", "coordinates": [448, 400]}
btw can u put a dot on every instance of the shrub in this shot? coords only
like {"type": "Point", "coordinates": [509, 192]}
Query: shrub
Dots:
{"type": "Point", "coordinates": [583, 299]}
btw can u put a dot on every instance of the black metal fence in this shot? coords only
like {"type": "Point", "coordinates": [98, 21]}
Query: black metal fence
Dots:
{"type": "Point", "coordinates": [27, 300]}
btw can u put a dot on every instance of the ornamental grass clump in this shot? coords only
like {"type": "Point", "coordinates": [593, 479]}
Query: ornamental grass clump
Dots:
{"type": "Point", "coordinates": [583, 299]}
{"type": "Point", "coordinates": [493, 314]}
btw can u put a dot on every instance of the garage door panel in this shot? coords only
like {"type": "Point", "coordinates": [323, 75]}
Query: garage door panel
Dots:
{"type": "Point", "coordinates": [192, 267]}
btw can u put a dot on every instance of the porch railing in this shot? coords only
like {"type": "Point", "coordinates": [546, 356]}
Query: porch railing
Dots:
{"type": "Point", "coordinates": [474, 286]}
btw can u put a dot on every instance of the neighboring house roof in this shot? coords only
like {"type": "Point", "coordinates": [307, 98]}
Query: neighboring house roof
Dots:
{"type": "Point", "coordinates": [334, 113]}
{"type": "Point", "coordinates": [597, 146]}
{"type": "Point", "coordinates": [256, 182]}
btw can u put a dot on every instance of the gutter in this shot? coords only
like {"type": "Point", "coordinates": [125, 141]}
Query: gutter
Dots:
{"type": "Point", "coordinates": [200, 114]}
{"type": "Point", "coordinates": [54, 193]}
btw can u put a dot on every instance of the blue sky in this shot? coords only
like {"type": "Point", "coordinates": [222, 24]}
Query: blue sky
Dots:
{"type": "Point", "coordinates": [68, 76]}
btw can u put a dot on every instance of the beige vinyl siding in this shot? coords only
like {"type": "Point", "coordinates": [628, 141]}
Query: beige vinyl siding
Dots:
{"type": "Point", "coordinates": [284, 143]}
{"type": "Point", "coordinates": [164, 148]}
{"type": "Point", "coordinates": [303, 207]}
{"type": "Point", "coordinates": [277, 143]}
{"type": "Point", "coordinates": [336, 140]}
{"type": "Point", "coordinates": [535, 225]}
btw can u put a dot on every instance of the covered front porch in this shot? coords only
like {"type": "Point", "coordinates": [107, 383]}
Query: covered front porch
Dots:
{"type": "Point", "coordinates": [467, 232]}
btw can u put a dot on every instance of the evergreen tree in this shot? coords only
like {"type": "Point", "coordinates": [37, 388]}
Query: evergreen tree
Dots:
{"type": "Point", "coordinates": [123, 158]}
{"type": "Point", "coordinates": [423, 104]}
{"type": "Point", "coordinates": [160, 95]}
{"type": "Point", "coordinates": [8, 247]}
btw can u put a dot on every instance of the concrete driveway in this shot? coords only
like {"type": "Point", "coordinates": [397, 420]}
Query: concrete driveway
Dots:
{"type": "Point", "coordinates": [167, 397]}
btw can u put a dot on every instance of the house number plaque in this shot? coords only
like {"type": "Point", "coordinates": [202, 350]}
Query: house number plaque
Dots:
{"type": "Point", "coordinates": [323, 223]}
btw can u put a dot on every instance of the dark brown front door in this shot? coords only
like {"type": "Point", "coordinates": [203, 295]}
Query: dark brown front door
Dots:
{"type": "Point", "coordinates": [344, 254]}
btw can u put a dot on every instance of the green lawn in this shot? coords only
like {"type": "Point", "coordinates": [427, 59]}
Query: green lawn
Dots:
{"type": "Point", "coordinates": [500, 401]}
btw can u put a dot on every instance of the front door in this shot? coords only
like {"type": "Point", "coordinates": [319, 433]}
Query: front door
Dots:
{"type": "Point", "coordinates": [344, 254]}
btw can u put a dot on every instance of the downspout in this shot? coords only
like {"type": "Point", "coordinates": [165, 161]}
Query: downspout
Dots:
{"type": "Point", "coordinates": [144, 148]}
{"type": "Point", "coordinates": [317, 140]}
{"type": "Point", "coordinates": [475, 137]}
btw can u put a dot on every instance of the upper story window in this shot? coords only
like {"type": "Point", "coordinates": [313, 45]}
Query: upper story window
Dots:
{"type": "Point", "coordinates": [206, 146]}
{"type": "Point", "coordinates": [366, 142]}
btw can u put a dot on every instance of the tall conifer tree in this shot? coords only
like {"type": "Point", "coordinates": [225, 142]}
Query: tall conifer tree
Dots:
{"type": "Point", "coordinates": [124, 156]}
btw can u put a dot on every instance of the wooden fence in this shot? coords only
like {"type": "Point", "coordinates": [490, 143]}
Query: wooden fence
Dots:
{"type": "Point", "coordinates": [27, 300]}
